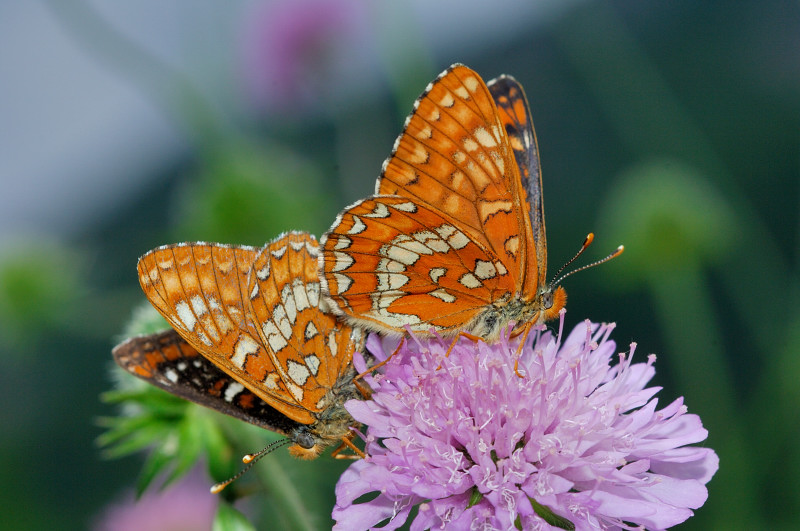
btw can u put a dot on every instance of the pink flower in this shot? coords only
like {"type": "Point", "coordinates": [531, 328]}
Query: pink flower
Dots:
{"type": "Point", "coordinates": [299, 53]}
{"type": "Point", "coordinates": [571, 442]}
{"type": "Point", "coordinates": [184, 505]}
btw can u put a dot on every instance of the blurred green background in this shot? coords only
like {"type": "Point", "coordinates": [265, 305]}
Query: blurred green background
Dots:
{"type": "Point", "coordinates": [671, 127]}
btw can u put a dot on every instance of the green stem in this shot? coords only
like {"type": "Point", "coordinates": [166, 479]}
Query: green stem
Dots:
{"type": "Point", "coordinates": [694, 344]}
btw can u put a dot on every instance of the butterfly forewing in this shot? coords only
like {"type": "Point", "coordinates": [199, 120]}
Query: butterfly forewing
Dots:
{"type": "Point", "coordinates": [453, 156]}
{"type": "Point", "coordinates": [515, 115]}
{"type": "Point", "coordinates": [167, 361]}
{"type": "Point", "coordinates": [466, 163]}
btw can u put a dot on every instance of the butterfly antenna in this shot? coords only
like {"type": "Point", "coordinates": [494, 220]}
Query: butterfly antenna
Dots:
{"type": "Point", "coordinates": [586, 243]}
{"type": "Point", "coordinates": [249, 460]}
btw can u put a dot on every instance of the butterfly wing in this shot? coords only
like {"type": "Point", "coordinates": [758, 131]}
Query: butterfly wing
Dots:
{"type": "Point", "coordinates": [454, 157]}
{"type": "Point", "coordinates": [309, 347]}
{"type": "Point", "coordinates": [390, 263]}
{"type": "Point", "coordinates": [454, 165]}
{"type": "Point", "coordinates": [515, 115]}
{"type": "Point", "coordinates": [167, 361]}
{"type": "Point", "coordinates": [201, 290]}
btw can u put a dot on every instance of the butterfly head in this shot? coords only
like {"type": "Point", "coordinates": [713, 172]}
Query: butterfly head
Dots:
{"type": "Point", "coordinates": [549, 302]}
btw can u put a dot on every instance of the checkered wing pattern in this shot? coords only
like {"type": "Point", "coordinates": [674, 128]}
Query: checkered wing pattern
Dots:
{"type": "Point", "coordinates": [167, 361]}
{"type": "Point", "coordinates": [449, 241]}
{"type": "Point", "coordinates": [238, 306]}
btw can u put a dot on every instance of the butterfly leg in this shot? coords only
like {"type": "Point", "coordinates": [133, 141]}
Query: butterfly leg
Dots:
{"type": "Point", "coordinates": [525, 330]}
{"type": "Point", "coordinates": [469, 336]}
{"type": "Point", "coordinates": [379, 364]}
{"type": "Point", "coordinates": [347, 442]}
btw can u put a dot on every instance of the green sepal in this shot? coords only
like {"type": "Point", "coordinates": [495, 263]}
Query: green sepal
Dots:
{"type": "Point", "coordinates": [475, 497]}
{"type": "Point", "coordinates": [545, 513]}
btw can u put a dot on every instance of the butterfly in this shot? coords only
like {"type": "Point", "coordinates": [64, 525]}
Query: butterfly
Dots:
{"type": "Point", "coordinates": [252, 338]}
{"type": "Point", "coordinates": [454, 238]}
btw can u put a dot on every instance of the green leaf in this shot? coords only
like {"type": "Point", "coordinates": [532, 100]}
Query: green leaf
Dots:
{"type": "Point", "coordinates": [547, 514]}
{"type": "Point", "coordinates": [229, 519]}
{"type": "Point", "coordinates": [474, 497]}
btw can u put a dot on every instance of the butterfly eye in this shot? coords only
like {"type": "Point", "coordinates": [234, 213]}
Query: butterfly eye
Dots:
{"type": "Point", "coordinates": [304, 439]}
{"type": "Point", "coordinates": [547, 299]}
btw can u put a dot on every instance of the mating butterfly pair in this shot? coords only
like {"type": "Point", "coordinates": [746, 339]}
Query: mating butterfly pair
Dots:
{"type": "Point", "coordinates": [453, 240]}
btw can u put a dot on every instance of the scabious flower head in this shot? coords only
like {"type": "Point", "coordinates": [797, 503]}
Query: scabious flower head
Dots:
{"type": "Point", "coordinates": [566, 440]}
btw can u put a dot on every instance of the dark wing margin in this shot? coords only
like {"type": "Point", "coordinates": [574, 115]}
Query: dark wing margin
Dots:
{"type": "Point", "coordinates": [167, 361]}
{"type": "Point", "coordinates": [516, 116]}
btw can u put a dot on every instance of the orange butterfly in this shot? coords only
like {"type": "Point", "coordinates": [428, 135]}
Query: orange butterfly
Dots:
{"type": "Point", "coordinates": [454, 239]}
{"type": "Point", "coordinates": [272, 352]}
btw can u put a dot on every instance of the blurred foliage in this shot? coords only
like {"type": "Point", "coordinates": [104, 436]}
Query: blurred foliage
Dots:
{"type": "Point", "coordinates": [671, 128]}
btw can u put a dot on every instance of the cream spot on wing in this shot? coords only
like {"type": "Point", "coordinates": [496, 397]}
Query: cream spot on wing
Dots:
{"type": "Point", "coordinates": [425, 133]}
{"type": "Point", "coordinates": [245, 346]}
{"type": "Point", "coordinates": [405, 207]}
{"type": "Point", "coordinates": [435, 115]}
{"type": "Point", "coordinates": [297, 245]}
{"type": "Point", "coordinates": [380, 211]}
{"type": "Point", "coordinates": [263, 273]}
{"type": "Point", "coordinates": [312, 291]}
{"type": "Point", "coordinates": [203, 337]}
{"type": "Point", "coordinates": [343, 261]}
{"type": "Point", "coordinates": [171, 375]}
{"type": "Point", "coordinates": [297, 392]}
{"type": "Point", "coordinates": [301, 301]}
{"type": "Point", "coordinates": [279, 252]}
{"type": "Point", "coordinates": [457, 239]}
{"type": "Point", "coordinates": [459, 157]}
{"type": "Point", "coordinates": [297, 372]}
{"type": "Point", "coordinates": [417, 155]}
{"type": "Point", "coordinates": [390, 266]}
{"type": "Point", "coordinates": [431, 241]}
{"type": "Point", "coordinates": [468, 280]}
{"type": "Point", "coordinates": [185, 315]}
{"type": "Point", "coordinates": [343, 283]}
{"type": "Point", "coordinates": [342, 243]}
{"type": "Point", "coordinates": [443, 295]}
{"type": "Point", "coordinates": [233, 389]}
{"type": "Point", "coordinates": [312, 362]}
{"type": "Point", "coordinates": [271, 381]}
{"type": "Point", "coordinates": [166, 262]}
{"type": "Point", "coordinates": [471, 83]}
{"type": "Point", "coordinates": [199, 306]}
{"type": "Point", "coordinates": [462, 93]}
{"type": "Point", "coordinates": [274, 338]}
{"type": "Point", "coordinates": [279, 315]}
{"type": "Point", "coordinates": [436, 273]}
{"type": "Point", "coordinates": [391, 281]}
{"type": "Point", "coordinates": [333, 345]}
{"type": "Point", "coordinates": [470, 145]}
{"type": "Point", "coordinates": [487, 209]}
{"type": "Point", "coordinates": [358, 226]}
{"type": "Point", "coordinates": [484, 270]}
{"type": "Point", "coordinates": [289, 306]}
{"type": "Point", "coordinates": [311, 331]}
{"type": "Point", "coordinates": [484, 137]}
{"type": "Point", "coordinates": [447, 100]}
{"type": "Point", "coordinates": [501, 269]}
{"type": "Point", "coordinates": [512, 245]}
{"type": "Point", "coordinates": [404, 256]}
{"type": "Point", "coordinates": [254, 291]}
{"type": "Point", "coordinates": [397, 320]}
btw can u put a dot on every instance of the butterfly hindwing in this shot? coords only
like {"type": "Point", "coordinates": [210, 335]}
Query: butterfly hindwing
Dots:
{"type": "Point", "coordinates": [310, 348]}
{"type": "Point", "coordinates": [167, 361]}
